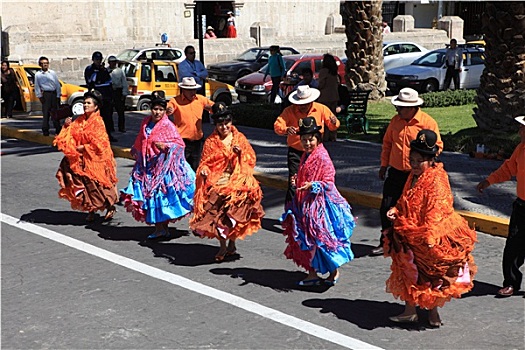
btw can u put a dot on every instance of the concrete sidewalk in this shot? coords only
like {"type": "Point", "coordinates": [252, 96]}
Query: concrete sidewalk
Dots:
{"type": "Point", "coordinates": [356, 163]}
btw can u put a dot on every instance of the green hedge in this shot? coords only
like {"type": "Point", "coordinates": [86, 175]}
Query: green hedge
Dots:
{"type": "Point", "coordinates": [448, 98]}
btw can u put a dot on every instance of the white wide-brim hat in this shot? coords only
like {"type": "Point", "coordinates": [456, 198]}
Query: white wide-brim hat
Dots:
{"type": "Point", "coordinates": [407, 97]}
{"type": "Point", "coordinates": [520, 119]}
{"type": "Point", "coordinates": [189, 83]}
{"type": "Point", "coordinates": [209, 28]}
{"type": "Point", "coordinates": [303, 95]}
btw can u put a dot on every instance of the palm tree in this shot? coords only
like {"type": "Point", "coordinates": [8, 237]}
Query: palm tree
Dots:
{"type": "Point", "coordinates": [500, 96]}
{"type": "Point", "coordinates": [364, 68]}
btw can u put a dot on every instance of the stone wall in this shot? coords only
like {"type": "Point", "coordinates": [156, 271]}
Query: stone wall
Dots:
{"type": "Point", "coordinates": [68, 32]}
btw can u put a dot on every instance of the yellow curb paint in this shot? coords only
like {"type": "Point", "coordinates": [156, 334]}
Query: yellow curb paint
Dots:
{"type": "Point", "coordinates": [482, 223]}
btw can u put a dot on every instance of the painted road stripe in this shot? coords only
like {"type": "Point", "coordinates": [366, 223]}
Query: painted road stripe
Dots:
{"type": "Point", "coordinates": [250, 306]}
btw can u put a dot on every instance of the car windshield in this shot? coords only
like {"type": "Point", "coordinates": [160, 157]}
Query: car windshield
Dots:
{"type": "Point", "coordinates": [129, 69]}
{"type": "Point", "coordinates": [127, 55]}
{"type": "Point", "coordinates": [431, 59]}
{"type": "Point", "coordinates": [288, 63]}
{"type": "Point", "coordinates": [249, 55]}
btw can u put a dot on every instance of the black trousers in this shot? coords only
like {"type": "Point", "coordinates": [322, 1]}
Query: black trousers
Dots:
{"type": "Point", "coordinates": [294, 158]}
{"type": "Point", "coordinates": [276, 81]}
{"type": "Point", "coordinates": [118, 102]}
{"type": "Point", "coordinates": [514, 252]}
{"type": "Point", "coordinates": [107, 115]}
{"type": "Point", "coordinates": [392, 190]}
{"type": "Point", "coordinates": [193, 151]}
{"type": "Point", "coordinates": [451, 74]}
{"type": "Point", "coordinates": [49, 101]}
{"type": "Point", "coordinates": [9, 103]}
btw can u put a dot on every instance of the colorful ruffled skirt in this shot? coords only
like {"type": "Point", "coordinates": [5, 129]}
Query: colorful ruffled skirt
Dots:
{"type": "Point", "coordinates": [171, 200]}
{"type": "Point", "coordinates": [321, 243]}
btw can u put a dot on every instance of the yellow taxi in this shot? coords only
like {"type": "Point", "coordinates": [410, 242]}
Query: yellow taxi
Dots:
{"type": "Point", "coordinates": [144, 77]}
{"type": "Point", "coordinates": [25, 74]}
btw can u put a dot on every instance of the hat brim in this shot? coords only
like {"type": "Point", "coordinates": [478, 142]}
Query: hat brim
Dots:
{"type": "Point", "coordinates": [520, 119]}
{"type": "Point", "coordinates": [192, 87]}
{"type": "Point", "coordinates": [312, 131]}
{"type": "Point", "coordinates": [396, 102]}
{"type": "Point", "coordinates": [298, 101]}
{"type": "Point", "coordinates": [414, 146]}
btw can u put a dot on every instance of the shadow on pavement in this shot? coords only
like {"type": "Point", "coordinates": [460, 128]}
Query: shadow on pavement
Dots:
{"type": "Point", "coordinates": [366, 314]}
{"type": "Point", "coordinates": [481, 289]}
{"type": "Point", "coordinates": [51, 217]}
{"type": "Point", "coordinates": [278, 280]}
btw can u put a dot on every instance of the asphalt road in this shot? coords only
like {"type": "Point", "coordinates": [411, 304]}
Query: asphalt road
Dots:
{"type": "Point", "coordinates": [68, 285]}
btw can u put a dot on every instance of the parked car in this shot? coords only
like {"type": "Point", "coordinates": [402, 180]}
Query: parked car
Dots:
{"type": "Point", "coordinates": [160, 52]}
{"type": "Point", "coordinates": [253, 87]}
{"type": "Point", "coordinates": [397, 54]}
{"type": "Point", "coordinates": [427, 73]}
{"type": "Point", "coordinates": [144, 77]}
{"type": "Point", "coordinates": [28, 102]}
{"type": "Point", "coordinates": [248, 62]}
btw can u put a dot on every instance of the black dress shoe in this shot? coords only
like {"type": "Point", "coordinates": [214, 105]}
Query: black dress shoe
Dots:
{"type": "Point", "coordinates": [45, 133]}
{"type": "Point", "coordinates": [377, 251]}
{"type": "Point", "coordinates": [122, 130]}
{"type": "Point", "coordinates": [506, 291]}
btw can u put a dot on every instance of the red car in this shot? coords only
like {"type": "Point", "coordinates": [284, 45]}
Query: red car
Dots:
{"type": "Point", "coordinates": [253, 87]}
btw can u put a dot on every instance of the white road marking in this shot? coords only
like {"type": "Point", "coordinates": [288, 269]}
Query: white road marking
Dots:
{"type": "Point", "coordinates": [250, 306]}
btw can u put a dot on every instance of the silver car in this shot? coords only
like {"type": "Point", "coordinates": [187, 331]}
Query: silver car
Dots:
{"type": "Point", "coordinates": [161, 53]}
{"type": "Point", "coordinates": [397, 54]}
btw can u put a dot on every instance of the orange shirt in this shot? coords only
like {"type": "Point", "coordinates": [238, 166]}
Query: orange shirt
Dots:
{"type": "Point", "coordinates": [396, 142]}
{"type": "Point", "coordinates": [514, 166]}
{"type": "Point", "coordinates": [187, 115]}
{"type": "Point", "coordinates": [291, 115]}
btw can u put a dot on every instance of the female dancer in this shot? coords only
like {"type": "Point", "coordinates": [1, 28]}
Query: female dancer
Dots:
{"type": "Point", "coordinates": [430, 243]}
{"type": "Point", "coordinates": [228, 197]}
{"type": "Point", "coordinates": [319, 223]}
{"type": "Point", "coordinates": [162, 183]}
{"type": "Point", "coordinates": [87, 173]}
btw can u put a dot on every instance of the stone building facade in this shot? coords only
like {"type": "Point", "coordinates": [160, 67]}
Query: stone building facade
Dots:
{"type": "Point", "coordinates": [69, 31]}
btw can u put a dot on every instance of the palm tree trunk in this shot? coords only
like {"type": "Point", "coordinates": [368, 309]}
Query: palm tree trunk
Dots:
{"type": "Point", "coordinates": [364, 68]}
{"type": "Point", "coordinates": [500, 96]}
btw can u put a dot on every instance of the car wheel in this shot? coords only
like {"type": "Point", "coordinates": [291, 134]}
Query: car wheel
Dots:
{"type": "Point", "coordinates": [224, 98]}
{"type": "Point", "coordinates": [144, 104]}
{"type": "Point", "coordinates": [430, 85]}
{"type": "Point", "coordinates": [243, 73]}
{"type": "Point", "coordinates": [78, 106]}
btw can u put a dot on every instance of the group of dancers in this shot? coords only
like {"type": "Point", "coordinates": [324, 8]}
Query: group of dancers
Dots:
{"type": "Point", "coordinates": [430, 245]}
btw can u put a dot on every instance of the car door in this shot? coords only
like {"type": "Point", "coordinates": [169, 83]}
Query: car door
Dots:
{"type": "Point", "coordinates": [166, 80]}
{"type": "Point", "coordinates": [32, 103]}
{"type": "Point", "coordinates": [474, 70]}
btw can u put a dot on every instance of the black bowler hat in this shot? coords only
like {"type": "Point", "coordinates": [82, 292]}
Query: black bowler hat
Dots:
{"type": "Point", "coordinates": [220, 112]}
{"type": "Point", "coordinates": [308, 125]}
{"type": "Point", "coordinates": [425, 142]}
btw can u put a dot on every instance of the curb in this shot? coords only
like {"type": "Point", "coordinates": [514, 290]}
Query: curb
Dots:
{"type": "Point", "coordinates": [481, 222]}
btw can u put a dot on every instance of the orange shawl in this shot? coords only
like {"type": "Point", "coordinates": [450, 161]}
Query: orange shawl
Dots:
{"type": "Point", "coordinates": [97, 161]}
{"type": "Point", "coordinates": [432, 243]}
{"type": "Point", "coordinates": [215, 158]}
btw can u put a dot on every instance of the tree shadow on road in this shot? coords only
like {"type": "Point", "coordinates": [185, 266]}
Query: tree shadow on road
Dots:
{"type": "Point", "coordinates": [366, 314]}
{"type": "Point", "coordinates": [278, 280]}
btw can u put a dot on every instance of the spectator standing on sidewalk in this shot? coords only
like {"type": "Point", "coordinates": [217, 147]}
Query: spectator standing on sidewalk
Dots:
{"type": "Point", "coordinates": [97, 77]}
{"type": "Point", "coordinates": [276, 69]}
{"type": "Point", "coordinates": [514, 252]}
{"type": "Point", "coordinates": [328, 85]}
{"type": "Point", "coordinates": [454, 61]}
{"type": "Point", "coordinates": [9, 89]}
{"type": "Point", "coordinates": [187, 111]}
{"type": "Point", "coordinates": [48, 91]}
{"type": "Point", "coordinates": [287, 124]}
{"type": "Point", "coordinates": [403, 128]}
{"type": "Point", "coordinates": [193, 68]}
{"type": "Point", "coordinates": [120, 91]}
